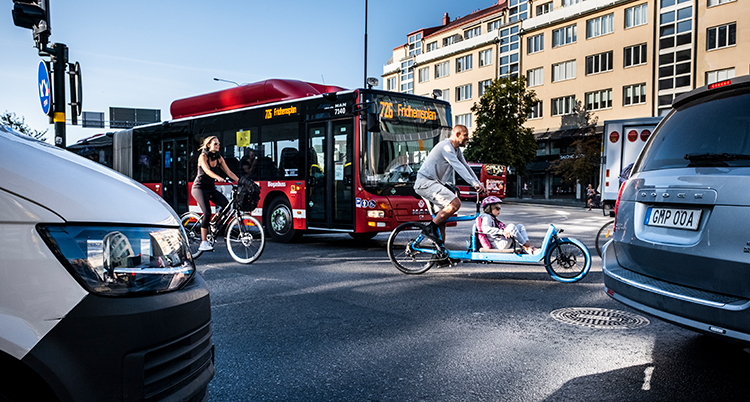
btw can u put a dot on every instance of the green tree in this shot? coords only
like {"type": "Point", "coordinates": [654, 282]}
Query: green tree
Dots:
{"type": "Point", "coordinates": [500, 136]}
{"type": "Point", "coordinates": [583, 165]}
{"type": "Point", "coordinates": [19, 124]}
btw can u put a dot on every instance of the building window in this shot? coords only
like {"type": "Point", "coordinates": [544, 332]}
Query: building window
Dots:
{"type": "Point", "coordinates": [517, 10]}
{"type": "Point", "coordinates": [432, 46]}
{"type": "Point", "coordinates": [491, 26]}
{"type": "Point", "coordinates": [470, 33]}
{"type": "Point", "coordinates": [464, 63]}
{"type": "Point", "coordinates": [599, 63]}
{"type": "Point", "coordinates": [563, 106]}
{"type": "Point", "coordinates": [599, 100]}
{"type": "Point", "coordinates": [415, 44]}
{"type": "Point", "coordinates": [600, 26]}
{"type": "Point", "coordinates": [407, 76]}
{"type": "Point", "coordinates": [674, 69]}
{"type": "Point", "coordinates": [424, 74]}
{"type": "Point", "coordinates": [463, 92]}
{"type": "Point", "coordinates": [442, 69]}
{"type": "Point", "coordinates": [509, 65]}
{"type": "Point", "coordinates": [719, 75]}
{"type": "Point", "coordinates": [535, 77]}
{"type": "Point", "coordinates": [635, 16]}
{"type": "Point", "coordinates": [543, 8]}
{"type": "Point", "coordinates": [509, 39]}
{"type": "Point", "coordinates": [675, 27]}
{"type": "Point", "coordinates": [446, 96]}
{"type": "Point", "coordinates": [634, 55]}
{"type": "Point", "coordinates": [485, 57]}
{"type": "Point", "coordinates": [451, 40]}
{"type": "Point", "coordinates": [537, 111]}
{"type": "Point", "coordinates": [564, 71]}
{"type": "Point", "coordinates": [483, 86]}
{"type": "Point", "coordinates": [712, 3]}
{"type": "Point", "coordinates": [535, 44]}
{"type": "Point", "coordinates": [567, 3]}
{"type": "Point", "coordinates": [634, 94]}
{"type": "Point", "coordinates": [564, 36]}
{"type": "Point", "coordinates": [464, 119]}
{"type": "Point", "coordinates": [721, 36]}
{"type": "Point", "coordinates": [391, 84]}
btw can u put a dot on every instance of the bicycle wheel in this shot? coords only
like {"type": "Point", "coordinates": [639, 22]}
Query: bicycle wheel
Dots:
{"type": "Point", "coordinates": [567, 261]}
{"type": "Point", "coordinates": [607, 230]}
{"type": "Point", "coordinates": [245, 239]}
{"type": "Point", "coordinates": [191, 222]}
{"type": "Point", "coordinates": [404, 245]}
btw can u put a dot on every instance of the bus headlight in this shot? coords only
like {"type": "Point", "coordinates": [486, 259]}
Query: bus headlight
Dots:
{"type": "Point", "coordinates": [374, 213]}
{"type": "Point", "coordinates": [122, 260]}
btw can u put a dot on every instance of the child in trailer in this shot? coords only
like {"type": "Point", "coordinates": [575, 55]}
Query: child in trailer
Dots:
{"type": "Point", "coordinates": [494, 234]}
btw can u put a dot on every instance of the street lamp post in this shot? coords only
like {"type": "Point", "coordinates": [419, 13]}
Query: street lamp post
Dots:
{"type": "Point", "coordinates": [365, 81]}
{"type": "Point", "coordinates": [222, 80]}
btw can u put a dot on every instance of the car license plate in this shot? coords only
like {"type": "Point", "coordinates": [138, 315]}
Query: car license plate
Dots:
{"type": "Point", "coordinates": [674, 218]}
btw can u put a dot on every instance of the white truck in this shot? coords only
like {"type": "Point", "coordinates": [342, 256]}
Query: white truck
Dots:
{"type": "Point", "coordinates": [623, 141]}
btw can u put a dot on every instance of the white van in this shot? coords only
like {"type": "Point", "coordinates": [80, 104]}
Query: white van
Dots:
{"type": "Point", "coordinates": [99, 298]}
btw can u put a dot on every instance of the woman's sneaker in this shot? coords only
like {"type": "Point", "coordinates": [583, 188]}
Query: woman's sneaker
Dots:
{"type": "Point", "coordinates": [205, 246]}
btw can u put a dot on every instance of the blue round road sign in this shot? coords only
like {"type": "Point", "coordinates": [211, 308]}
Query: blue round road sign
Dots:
{"type": "Point", "coordinates": [44, 89]}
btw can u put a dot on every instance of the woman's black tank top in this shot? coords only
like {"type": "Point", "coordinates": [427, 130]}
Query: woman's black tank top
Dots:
{"type": "Point", "coordinates": [204, 181]}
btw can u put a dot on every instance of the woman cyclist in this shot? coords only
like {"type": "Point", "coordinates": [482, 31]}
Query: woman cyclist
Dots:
{"type": "Point", "coordinates": [211, 168]}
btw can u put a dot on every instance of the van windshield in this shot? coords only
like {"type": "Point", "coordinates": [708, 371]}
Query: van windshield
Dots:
{"type": "Point", "coordinates": [708, 134]}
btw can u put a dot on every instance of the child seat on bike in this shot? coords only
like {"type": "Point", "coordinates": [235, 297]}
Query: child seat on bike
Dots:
{"type": "Point", "coordinates": [482, 244]}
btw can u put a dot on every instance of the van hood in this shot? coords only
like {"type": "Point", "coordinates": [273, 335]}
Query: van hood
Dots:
{"type": "Point", "coordinates": [75, 188]}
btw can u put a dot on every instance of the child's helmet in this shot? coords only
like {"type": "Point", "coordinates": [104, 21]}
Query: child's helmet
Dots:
{"type": "Point", "coordinates": [491, 200]}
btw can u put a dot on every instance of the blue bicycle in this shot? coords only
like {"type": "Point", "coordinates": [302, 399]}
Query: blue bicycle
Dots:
{"type": "Point", "coordinates": [413, 252]}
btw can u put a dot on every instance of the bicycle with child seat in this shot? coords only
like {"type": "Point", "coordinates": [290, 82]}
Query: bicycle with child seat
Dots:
{"type": "Point", "coordinates": [243, 233]}
{"type": "Point", "coordinates": [412, 251]}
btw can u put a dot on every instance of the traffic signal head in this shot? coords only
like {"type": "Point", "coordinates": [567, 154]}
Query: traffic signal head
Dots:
{"type": "Point", "coordinates": [34, 15]}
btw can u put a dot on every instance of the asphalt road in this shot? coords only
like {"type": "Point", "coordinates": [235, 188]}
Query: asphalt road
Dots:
{"type": "Point", "coordinates": [330, 319]}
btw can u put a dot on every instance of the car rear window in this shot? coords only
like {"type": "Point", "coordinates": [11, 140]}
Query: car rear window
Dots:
{"type": "Point", "coordinates": [712, 133]}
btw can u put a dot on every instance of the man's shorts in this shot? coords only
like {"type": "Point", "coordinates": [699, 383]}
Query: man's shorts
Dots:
{"type": "Point", "coordinates": [437, 194]}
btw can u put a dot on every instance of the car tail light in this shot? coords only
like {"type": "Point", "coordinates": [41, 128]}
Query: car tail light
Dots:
{"type": "Point", "coordinates": [720, 84]}
{"type": "Point", "coordinates": [617, 204]}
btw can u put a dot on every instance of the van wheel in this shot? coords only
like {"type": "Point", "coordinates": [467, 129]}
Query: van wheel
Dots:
{"type": "Point", "coordinates": [279, 223]}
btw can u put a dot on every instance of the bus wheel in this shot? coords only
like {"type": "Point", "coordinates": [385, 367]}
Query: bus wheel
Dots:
{"type": "Point", "coordinates": [279, 224]}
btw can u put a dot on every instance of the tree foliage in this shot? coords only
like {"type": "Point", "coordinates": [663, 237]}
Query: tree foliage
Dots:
{"type": "Point", "coordinates": [500, 136]}
{"type": "Point", "coordinates": [583, 165]}
{"type": "Point", "coordinates": [18, 123]}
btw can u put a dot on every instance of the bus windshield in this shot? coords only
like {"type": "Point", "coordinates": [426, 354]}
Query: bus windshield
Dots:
{"type": "Point", "coordinates": [409, 129]}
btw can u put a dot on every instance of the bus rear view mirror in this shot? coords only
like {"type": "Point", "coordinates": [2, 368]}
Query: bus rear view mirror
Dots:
{"type": "Point", "coordinates": [373, 124]}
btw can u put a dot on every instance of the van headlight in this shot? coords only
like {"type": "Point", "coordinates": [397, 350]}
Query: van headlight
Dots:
{"type": "Point", "coordinates": [122, 260]}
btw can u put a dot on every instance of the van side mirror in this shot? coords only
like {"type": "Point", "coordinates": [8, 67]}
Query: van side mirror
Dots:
{"type": "Point", "coordinates": [373, 123]}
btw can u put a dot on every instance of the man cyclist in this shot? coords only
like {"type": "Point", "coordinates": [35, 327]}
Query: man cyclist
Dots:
{"type": "Point", "coordinates": [437, 170]}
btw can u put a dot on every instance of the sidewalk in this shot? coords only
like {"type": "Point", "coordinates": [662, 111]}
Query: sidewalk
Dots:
{"type": "Point", "coordinates": [555, 202]}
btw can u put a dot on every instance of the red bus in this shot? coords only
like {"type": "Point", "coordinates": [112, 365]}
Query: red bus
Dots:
{"type": "Point", "coordinates": [327, 159]}
{"type": "Point", "coordinates": [491, 175]}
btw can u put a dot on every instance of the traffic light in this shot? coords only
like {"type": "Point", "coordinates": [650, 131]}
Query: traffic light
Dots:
{"type": "Point", "coordinates": [34, 15]}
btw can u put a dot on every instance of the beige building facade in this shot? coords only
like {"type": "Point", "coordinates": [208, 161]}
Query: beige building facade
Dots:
{"type": "Point", "coordinates": [620, 59]}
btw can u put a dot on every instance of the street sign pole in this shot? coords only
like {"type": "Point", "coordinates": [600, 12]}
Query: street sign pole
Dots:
{"type": "Point", "coordinates": [59, 66]}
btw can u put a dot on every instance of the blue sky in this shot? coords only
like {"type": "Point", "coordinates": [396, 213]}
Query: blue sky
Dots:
{"type": "Point", "coordinates": [145, 53]}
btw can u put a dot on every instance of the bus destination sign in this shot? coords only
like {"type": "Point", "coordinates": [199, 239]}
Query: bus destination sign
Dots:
{"type": "Point", "coordinates": [390, 110]}
{"type": "Point", "coordinates": [280, 112]}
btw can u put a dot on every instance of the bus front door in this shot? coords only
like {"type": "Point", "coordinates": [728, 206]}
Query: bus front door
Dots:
{"type": "Point", "coordinates": [174, 177]}
{"type": "Point", "coordinates": [330, 176]}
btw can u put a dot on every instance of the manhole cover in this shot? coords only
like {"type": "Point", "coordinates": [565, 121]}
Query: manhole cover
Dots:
{"type": "Point", "coordinates": [600, 318]}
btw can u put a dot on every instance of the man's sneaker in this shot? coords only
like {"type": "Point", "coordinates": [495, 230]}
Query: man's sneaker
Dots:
{"type": "Point", "coordinates": [205, 246]}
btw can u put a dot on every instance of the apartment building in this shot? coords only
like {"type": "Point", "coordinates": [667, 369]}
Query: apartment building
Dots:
{"type": "Point", "coordinates": [619, 58]}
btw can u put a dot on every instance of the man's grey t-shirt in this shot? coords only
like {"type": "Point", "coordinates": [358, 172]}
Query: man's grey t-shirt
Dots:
{"type": "Point", "coordinates": [442, 161]}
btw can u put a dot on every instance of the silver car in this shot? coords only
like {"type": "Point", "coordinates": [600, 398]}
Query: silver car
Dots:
{"type": "Point", "coordinates": [681, 248]}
